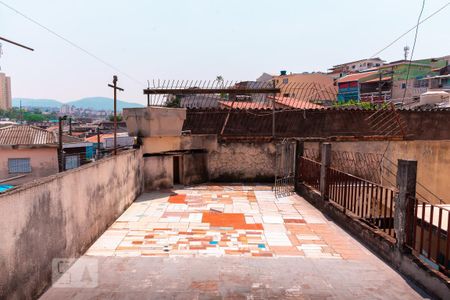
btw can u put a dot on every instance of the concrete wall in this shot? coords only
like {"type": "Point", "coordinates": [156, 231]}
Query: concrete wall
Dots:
{"type": "Point", "coordinates": [242, 161]}
{"type": "Point", "coordinates": [178, 143]}
{"type": "Point", "coordinates": [59, 217]}
{"type": "Point", "coordinates": [433, 159]}
{"type": "Point", "coordinates": [158, 172]}
{"type": "Point", "coordinates": [314, 123]}
{"type": "Point", "coordinates": [195, 168]}
{"type": "Point", "coordinates": [43, 161]}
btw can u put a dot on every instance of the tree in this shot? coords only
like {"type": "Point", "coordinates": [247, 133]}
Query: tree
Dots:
{"type": "Point", "coordinates": [119, 118]}
{"type": "Point", "coordinates": [174, 101]}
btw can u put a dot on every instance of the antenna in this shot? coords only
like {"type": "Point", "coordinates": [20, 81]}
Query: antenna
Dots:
{"type": "Point", "coordinates": [406, 51]}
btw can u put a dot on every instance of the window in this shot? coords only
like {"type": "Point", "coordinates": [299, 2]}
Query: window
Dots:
{"type": "Point", "coordinates": [72, 162]}
{"type": "Point", "coordinates": [285, 95]}
{"type": "Point", "coordinates": [403, 85]}
{"type": "Point", "coordinates": [19, 165]}
{"type": "Point", "coordinates": [285, 80]}
{"type": "Point", "coordinates": [353, 66]}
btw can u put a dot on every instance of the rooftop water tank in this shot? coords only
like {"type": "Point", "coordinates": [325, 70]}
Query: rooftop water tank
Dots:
{"type": "Point", "coordinates": [434, 97]}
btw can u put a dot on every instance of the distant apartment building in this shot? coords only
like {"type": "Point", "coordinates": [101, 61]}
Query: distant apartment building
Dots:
{"type": "Point", "coordinates": [67, 109]}
{"type": "Point", "coordinates": [27, 153]}
{"type": "Point", "coordinates": [342, 70]}
{"type": "Point", "coordinates": [5, 92]}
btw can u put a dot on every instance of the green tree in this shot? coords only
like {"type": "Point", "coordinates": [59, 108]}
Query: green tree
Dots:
{"type": "Point", "coordinates": [174, 101]}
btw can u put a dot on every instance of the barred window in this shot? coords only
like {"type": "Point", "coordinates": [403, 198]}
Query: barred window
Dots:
{"type": "Point", "coordinates": [19, 165]}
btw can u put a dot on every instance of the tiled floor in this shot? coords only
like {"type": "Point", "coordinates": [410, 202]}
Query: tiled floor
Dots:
{"type": "Point", "coordinates": [221, 220]}
{"type": "Point", "coordinates": [228, 242]}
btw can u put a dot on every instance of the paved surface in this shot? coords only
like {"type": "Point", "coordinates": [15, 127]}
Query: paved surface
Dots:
{"type": "Point", "coordinates": [228, 242]}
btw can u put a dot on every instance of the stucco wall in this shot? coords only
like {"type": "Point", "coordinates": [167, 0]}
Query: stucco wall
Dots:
{"type": "Point", "coordinates": [433, 157]}
{"type": "Point", "coordinates": [59, 217]}
{"type": "Point", "coordinates": [43, 161]}
{"type": "Point", "coordinates": [158, 172]}
{"type": "Point", "coordinates": [242, 162]}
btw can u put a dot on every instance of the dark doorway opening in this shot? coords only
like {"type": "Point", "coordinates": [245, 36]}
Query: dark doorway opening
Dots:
{"type": "Point", "coordinates": [176, 170]}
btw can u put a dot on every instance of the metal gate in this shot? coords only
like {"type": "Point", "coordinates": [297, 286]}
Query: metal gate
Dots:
{"type": "Point", "coordinates": [285, 168]}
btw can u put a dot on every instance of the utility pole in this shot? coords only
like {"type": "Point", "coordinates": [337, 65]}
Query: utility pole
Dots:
{"type": "Point", "coordinates": [273, 111]}
{"type": "Point", "coordinates": [70, 126]}
{"type": "Point", "coordinates": [60, 146]}
{"type": "Point", "coordinates": [115, 87]}
{"type": "Point", "coordinates": [98, 142]}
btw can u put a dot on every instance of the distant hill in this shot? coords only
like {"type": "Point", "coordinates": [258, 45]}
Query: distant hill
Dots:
{"type": "Point", "coordinates": [35, 102]}
{"type": "Point", "coordinates": [97, 103]}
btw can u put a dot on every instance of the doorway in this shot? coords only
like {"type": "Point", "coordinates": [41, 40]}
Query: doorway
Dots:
{"type": "Point", "coordinates": [176, 170]}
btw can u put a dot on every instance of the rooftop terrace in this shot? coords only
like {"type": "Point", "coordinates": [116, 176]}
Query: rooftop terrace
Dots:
{"type": "Point", "coordinates": [228, 241]}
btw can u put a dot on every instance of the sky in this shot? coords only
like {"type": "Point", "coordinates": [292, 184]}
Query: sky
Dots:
{"type": "Point", "coordinates": [201, 39]}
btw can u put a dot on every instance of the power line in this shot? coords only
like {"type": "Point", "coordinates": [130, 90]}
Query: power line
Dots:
{"type": "Point", "coordinates": [73, 44]}
{"type": "Point", "coordinates": [412, 50]}
{"type": "Point", "coordinates": [411, 29]}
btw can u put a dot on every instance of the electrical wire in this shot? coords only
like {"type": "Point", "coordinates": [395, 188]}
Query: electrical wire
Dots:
{"type": "Point", "coordinates": [74, 45]}
{"type": "Point", "coordinates": [411, 29]}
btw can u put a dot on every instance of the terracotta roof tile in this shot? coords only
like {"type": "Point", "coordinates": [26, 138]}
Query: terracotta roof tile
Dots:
{"type": "Point", "coordinates": [26, 135]}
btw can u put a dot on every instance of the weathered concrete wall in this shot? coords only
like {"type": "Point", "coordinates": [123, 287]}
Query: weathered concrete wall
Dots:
{"type": "Point", "coordinates": [242, 162]}
{"type": "Point", "coordinates": [158, 172]}
{"type": "Point", "coordinates": [195, 168]}
{"type": "Point", "coordinates": [314, 123]}
{"type": "Point", "coordinates": [433, 159]}
{"type": "Point", "coordinates": [59, 217]}
{"type": "Point", "coordinates": [179, 143]}
{"type": "Point", "coordinates": [43, 161]}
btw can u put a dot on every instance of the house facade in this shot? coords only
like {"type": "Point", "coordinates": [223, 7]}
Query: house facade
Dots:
{"type": "Point", "coordinates": [342, 70]}
{"type": "Point", "coordinates": [27, 153]}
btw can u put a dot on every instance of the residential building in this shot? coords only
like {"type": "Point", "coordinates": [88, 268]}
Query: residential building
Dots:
{"type": "Point", "coordinates": [351, 87]}
{"type": "Point", "coordinates": [342, 70]}
{"type": "Point", "coordinates": [312, 87]}
{"type": "Point", "coordinates": [405, 76]}
{"type": "Point", "coordinates": [76, 152]}
{"type": "Point", "coordinates": [5, 92]}
{"type": "Point", "coordinates": [67, 109]}
{"type": "Point", "coordinates": [27, 153]}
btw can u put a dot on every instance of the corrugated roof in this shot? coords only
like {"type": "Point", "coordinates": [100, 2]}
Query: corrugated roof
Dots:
{"type": "Point", "coordinates": [295, 103]}
{"type": "Point", "coordinates": [26, 135]}
{"type": "Point", "coordinates": [378, 79]}
{"type": "Point", "coordinates": [356, 76]}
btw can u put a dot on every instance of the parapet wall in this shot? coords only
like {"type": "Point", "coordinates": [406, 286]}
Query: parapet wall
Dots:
{"type": "Point", "coordinates": [313, 123]}
{"type": "Point", "coordinates": [60, 216]}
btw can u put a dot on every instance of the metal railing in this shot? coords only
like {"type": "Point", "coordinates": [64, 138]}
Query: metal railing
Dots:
{"type": "Point", "coordinates": [371, 202]}
{"type": "Point", "coordinates": [430, 233]}
{"type": "Point", "coordinates": [309, 172]}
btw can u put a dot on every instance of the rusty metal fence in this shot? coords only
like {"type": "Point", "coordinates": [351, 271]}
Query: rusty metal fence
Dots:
{"type": "Point", "coordinates": [430, 233]}
{"type": "Point", "coordinates": [370, 202]}
{"type": "Point", "coordinates": [285, 168]}
{"type": "Point", "coordinates": [240, 94]}
{"type": "Point", "coordinates": [309, 172]}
